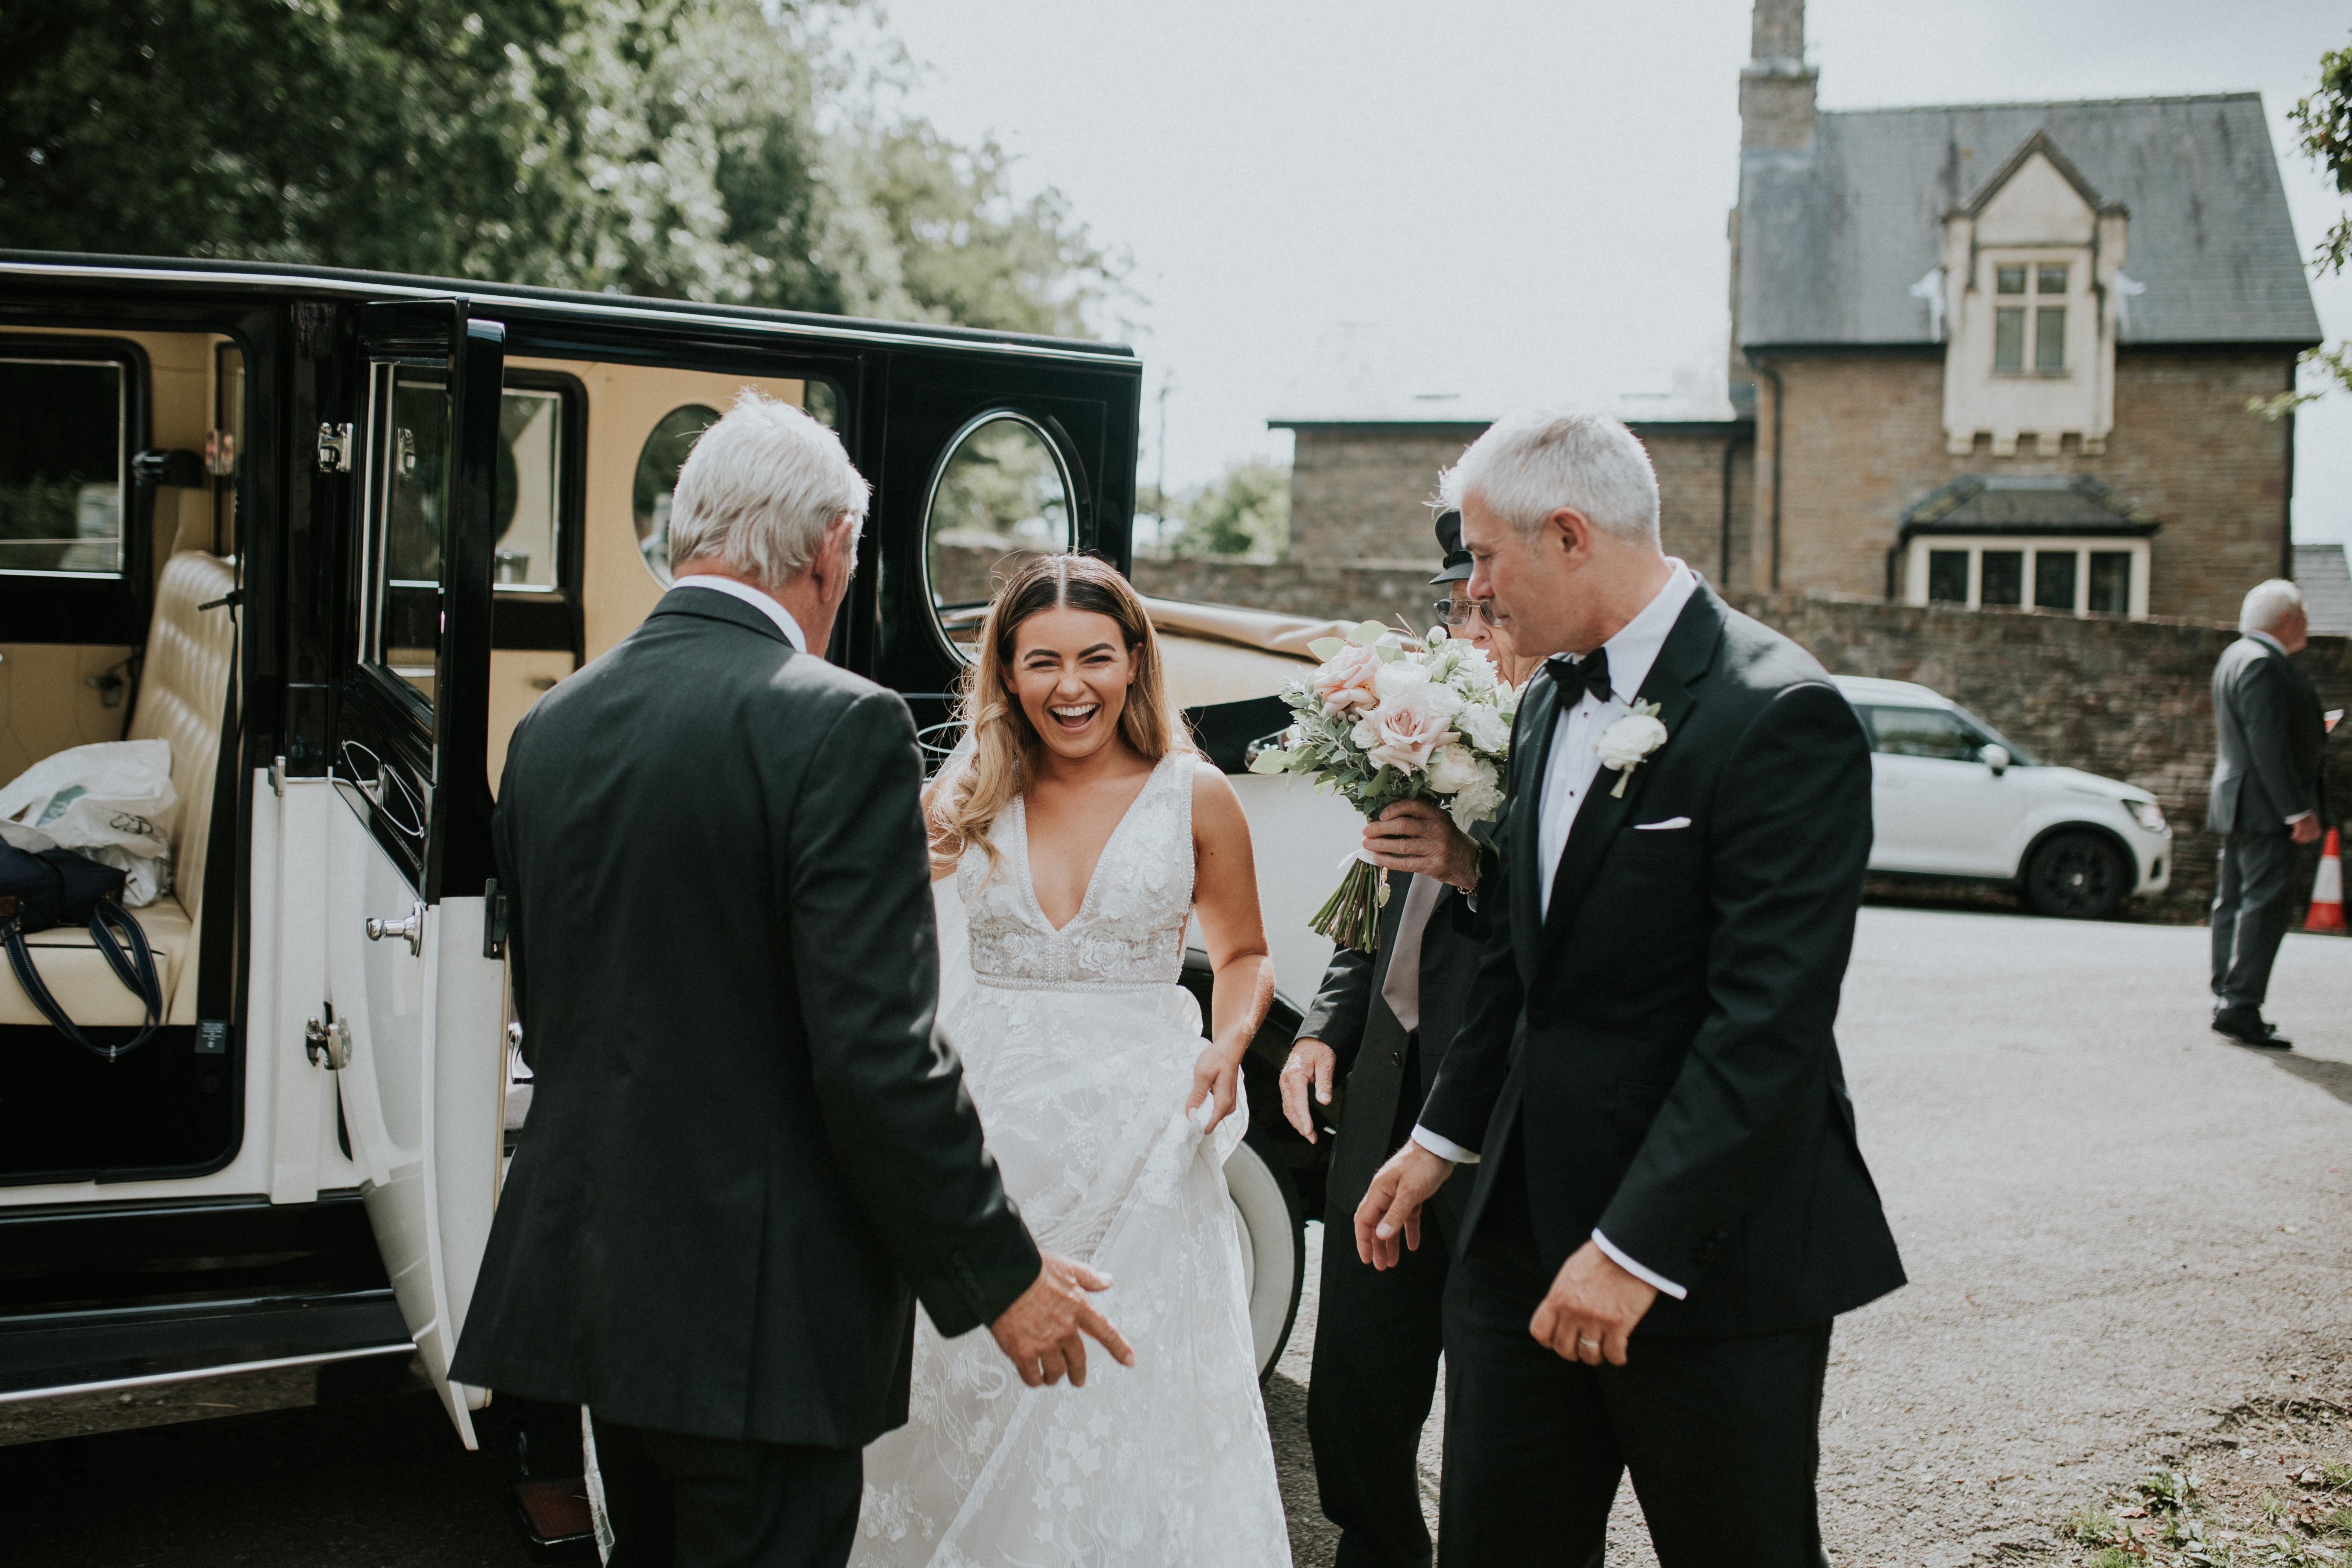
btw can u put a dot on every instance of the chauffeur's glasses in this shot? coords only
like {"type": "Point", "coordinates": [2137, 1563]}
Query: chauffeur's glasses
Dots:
{"type": "Point", "coordinates": [1457, 612]}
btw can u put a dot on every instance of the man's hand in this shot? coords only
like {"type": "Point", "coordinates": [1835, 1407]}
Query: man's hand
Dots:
{"type": "Point", "coordinates": [1414, 835]}
{"type": "Point", "coordinates": [1311, 1062]}
{"type": "Point", "coordinates": [1390, 1211]}
{"type": "Point", "coordinates": [1040, 1332]}
{"type": "Point", "coordinates": [2306, 828]}
{"type": "Point", "coordinates": [1590, 1309]}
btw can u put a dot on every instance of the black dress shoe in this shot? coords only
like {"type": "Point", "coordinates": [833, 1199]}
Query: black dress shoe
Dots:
{"type": "Point", "coordinates": [2245, 1026]}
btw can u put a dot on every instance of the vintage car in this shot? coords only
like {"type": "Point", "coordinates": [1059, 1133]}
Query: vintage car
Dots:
{"type": "Point", "coordinates": [330, 534]}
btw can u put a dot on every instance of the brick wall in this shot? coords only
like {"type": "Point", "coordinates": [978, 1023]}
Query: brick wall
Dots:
{"type": "Point", "coordinates": [1865, 441]}
{"type": "Point", "coordinates": [2124, 699]}
{"type": "Point", "coordinates": [1357, 491]}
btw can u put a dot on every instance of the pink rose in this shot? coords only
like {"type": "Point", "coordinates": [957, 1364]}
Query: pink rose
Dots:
{"type": "Point", "coordinates": [1405, 729]}
{"type": "Point", "coordinates": [1346, 680]}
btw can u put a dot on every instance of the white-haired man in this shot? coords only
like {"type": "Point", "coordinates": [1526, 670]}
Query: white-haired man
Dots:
{"type": "Point", "coordinates": [2268, 796]}
{"type": "Point", "coordinates": [750, 1152]}
{"type": "Point", "coordinates": [1668, 1203]}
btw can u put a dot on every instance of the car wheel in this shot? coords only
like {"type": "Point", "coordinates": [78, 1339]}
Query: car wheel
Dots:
{"type": "Point", "coordinates": [2076, 876]}
{"type": "Point", "coordinates": [1273, 1232]}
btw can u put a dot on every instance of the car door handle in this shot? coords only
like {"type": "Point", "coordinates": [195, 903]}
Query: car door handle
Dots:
{"type": "Point", "coordinates": [410, 930]}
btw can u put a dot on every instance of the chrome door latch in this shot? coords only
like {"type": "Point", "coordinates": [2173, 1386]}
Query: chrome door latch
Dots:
{"type": "Point", "coordinates": [335, 449]}
{"type": "Point", "coordinates": [410, 930]}
{"type": "Point", "coordinates": [328, 1045]}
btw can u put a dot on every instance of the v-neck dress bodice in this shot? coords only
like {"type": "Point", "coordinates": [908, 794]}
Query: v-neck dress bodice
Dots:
{"type": "Point", "coordinates": [1078, 1047]}
{"type": "Point", "coordinates": [1128, 932]}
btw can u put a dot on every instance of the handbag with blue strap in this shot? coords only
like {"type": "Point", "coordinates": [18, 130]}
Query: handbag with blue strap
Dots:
{"type": "Point", "coordinates": [57, 886]}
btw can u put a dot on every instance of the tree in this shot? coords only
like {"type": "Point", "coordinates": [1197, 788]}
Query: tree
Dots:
{"type": "Point", "coordinates": [2325, 121]}
{"type": "Point", "coordinates": [668, 147]}
{"type": "Point", "coordinates": [1245, 510]}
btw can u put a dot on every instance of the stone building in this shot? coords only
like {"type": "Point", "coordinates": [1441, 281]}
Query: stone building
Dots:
{"type": "Point", "coordinates": [1993, 356]}
{"type": "Point", "coordinates": [2001, 355]}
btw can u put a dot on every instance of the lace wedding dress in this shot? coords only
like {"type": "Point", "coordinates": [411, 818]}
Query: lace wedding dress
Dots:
{"type": "Point", "coordinates": [1079, 1046]}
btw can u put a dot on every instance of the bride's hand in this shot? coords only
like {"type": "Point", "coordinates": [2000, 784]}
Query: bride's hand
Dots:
{"type": "Point", "coordinates": [1216, 1077]}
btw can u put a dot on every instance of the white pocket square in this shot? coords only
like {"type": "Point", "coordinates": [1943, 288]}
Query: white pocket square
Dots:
{"type": "Point", "coordinates": [1662, 826]}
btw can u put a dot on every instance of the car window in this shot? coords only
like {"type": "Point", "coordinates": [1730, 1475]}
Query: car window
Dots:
{"type": "Point", "coordinates": [1924, 733]}
{"type": "Point", "coordinates": [61, 490]}
{"type": "Point", "coordinates": [1001, 498]}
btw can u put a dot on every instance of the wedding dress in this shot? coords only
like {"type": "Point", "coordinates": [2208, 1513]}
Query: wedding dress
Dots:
{"type": "Point", "coordinates": [1079, 1046]}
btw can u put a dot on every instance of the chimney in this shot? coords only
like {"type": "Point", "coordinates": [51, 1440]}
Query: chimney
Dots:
{"type": "Point", "coordinates": [1776, 85]}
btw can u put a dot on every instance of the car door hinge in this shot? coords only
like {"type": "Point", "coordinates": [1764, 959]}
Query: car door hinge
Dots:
{"type": "Point", "coordinates": [335, 449]}
{"type": "Point", "coordinates": [494, 920]}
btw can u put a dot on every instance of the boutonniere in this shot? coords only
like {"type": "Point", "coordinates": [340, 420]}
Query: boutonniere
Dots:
{"type": "Point", "coordinates": [1628, 742]}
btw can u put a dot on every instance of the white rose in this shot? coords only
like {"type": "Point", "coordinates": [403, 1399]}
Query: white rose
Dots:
{"type": "Point", "coordinates": [1399, 676]}
{"type": "Point", "coordinates": [1630, 740]}
{"type": "Point", "coordinates": [1452, 768]}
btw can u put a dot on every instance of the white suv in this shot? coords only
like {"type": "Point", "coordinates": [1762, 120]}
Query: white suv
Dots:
{"type": "Point", "coordinates": [1952, 798]}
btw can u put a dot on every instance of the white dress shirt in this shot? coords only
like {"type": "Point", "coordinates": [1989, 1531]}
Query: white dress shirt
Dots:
{"type": "Point", "coordinates": [2269, 641]}
{"type": "Point", "coordinates": [1570, 773]}
{"type": "Point", "coordinates": [753, 597]}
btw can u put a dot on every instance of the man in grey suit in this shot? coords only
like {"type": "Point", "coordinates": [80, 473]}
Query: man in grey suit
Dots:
{"type": "Point", "coordinates": [2268, 797]}
{"type": "Point", "coordinates": [750, 1150]}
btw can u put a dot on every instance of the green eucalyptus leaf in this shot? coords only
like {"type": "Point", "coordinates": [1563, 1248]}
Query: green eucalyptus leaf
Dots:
{"type": "Point", "coordinates": [1367, 634]}
{"type": "Point", "coordinates": [1324, 648]}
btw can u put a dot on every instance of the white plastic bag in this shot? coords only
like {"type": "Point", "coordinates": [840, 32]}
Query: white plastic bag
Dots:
{"type": "Point", "coordinates": [112, 802]}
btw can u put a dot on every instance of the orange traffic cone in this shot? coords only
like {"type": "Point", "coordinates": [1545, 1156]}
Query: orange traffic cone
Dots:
{"type": "Point", "coordinates": [2327, 888]}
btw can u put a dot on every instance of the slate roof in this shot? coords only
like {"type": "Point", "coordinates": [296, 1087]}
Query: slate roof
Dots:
{"type": "Point", "coordinates": [2026, 503]}
{"type": "Point", "coordinates": [1832, 239]}
{"type": "Point", "coordinates": [2326, 584]}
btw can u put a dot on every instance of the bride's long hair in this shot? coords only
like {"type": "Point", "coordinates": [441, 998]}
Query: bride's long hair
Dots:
{"type": "Point", "coordinates": [1004, 748]}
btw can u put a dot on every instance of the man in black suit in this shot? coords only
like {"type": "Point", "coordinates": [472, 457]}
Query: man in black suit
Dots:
{"type": "Point", "coordinates": [750, 1152]}
{"type": "Point", "coordinates": [2268, 796]}
{"type": "Point", "coordinates": [1647, 1087]}
{"type": "Point", "coordinates": [1377, 1029]}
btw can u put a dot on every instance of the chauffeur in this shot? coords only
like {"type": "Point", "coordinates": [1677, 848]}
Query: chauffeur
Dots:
{"type": "Point", "coordinates": [1379, 1026]}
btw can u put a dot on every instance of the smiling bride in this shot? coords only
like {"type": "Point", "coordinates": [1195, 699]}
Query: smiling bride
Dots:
{"type": "Point", "coordinates": [1074, 833]}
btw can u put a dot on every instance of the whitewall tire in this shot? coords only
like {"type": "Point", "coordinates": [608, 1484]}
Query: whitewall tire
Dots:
{"type": "Point", "coordinates": [1273, 1234]}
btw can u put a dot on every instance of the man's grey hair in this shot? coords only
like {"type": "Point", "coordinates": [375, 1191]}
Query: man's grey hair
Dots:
{"type": "Point", "coordinates": [1529, 465]}
{"type": "Point", "coordinates": [759, 489]}
{"type": "Point", "coordinates": [2268, 604]}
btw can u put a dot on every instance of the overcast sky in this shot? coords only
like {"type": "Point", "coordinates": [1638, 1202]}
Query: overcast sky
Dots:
{"type": "Point", "coordinates": [1509, 197]}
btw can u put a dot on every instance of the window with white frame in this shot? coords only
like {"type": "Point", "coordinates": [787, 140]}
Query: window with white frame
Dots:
{"type": "Point", "coordinates": [2028, 318]}
{"type": "Point", "coordinates": [2085, 576]}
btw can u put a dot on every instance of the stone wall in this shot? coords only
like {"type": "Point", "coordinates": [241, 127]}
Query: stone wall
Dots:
{"type": "Point", "coordinates": [2124, 699]}
{"type": "Point", "coordinates": [1358, 492]}
{"type": "Point", "coordinates": [1865, 441]}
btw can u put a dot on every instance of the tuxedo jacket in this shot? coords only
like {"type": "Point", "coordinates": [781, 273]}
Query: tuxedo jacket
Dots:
{"type": "Point", "coordinates": [1373, 1050]}
{"type": "Point", "coordinates": [2267, 732]}
{"type": "Point", "coordinates": [1659, 1047]}
{"type": "Point", "coordinates": [750, 1150]}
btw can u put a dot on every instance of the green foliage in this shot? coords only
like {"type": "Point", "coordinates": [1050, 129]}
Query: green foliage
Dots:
{"type": "Point", "coordinates": [2168, 1491]}
{"type": "Point", "coordinates": [1245, 510]}
{"type": "Point", "coordinates": [2092, 1525]}
{"type": "Point", "coordinates": [701, 149]}
{"type": "Point", "coordinates": [2325, 118]}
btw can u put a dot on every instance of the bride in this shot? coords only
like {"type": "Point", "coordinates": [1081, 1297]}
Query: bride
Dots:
{"type": "Point", "coordinates": [1073, 834]}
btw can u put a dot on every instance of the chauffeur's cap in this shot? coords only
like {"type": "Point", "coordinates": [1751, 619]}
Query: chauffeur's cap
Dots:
{"type": "Point", "coordinates": [1449, 539]}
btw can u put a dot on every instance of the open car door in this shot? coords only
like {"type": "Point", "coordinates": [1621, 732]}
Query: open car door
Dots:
{"type": "Point", "coordinates": [414, 982]}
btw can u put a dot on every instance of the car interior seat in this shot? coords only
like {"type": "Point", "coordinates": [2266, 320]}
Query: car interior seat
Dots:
{"type": "Point", "coordinates": [182, 692]}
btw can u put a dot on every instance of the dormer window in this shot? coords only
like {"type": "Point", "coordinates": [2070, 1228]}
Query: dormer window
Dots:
{"type": "Point", "coordinates": [2029, 267]}
{"type": "Point", "coordinates": [2046, 313]}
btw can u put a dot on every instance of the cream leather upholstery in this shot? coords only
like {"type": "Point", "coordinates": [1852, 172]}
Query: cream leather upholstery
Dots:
{"type": "Point", "coordinates": [183, 688]}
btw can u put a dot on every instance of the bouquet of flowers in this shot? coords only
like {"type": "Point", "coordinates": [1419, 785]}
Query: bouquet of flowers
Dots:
{"type": "Point", "coordinates": [1385, 719]}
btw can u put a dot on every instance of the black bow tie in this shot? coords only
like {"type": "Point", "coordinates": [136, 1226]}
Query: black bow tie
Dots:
{"type": "Point", "coordinates": [1575, 677]}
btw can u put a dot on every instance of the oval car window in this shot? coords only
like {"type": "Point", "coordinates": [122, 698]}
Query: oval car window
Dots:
{"type": "Point", "coordinates": [1001, 499]}
{"type": "Point", "coordinates": [658, 465]}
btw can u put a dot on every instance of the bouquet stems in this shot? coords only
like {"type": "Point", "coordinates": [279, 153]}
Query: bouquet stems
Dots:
{"type": "Point", "coordinates": [1351, 917]}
